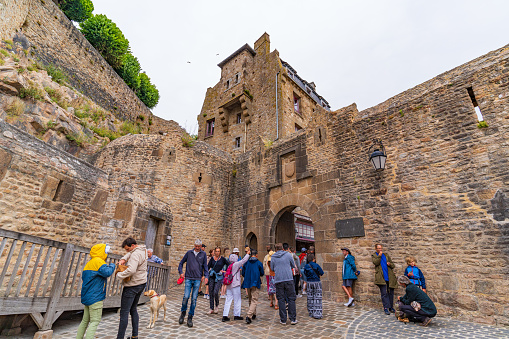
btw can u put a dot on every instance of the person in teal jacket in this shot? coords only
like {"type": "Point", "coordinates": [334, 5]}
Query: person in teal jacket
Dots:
{"type": "Point", "coordinates": [93, 289]}
{"type": "Point", "coordinates": [349, 275]}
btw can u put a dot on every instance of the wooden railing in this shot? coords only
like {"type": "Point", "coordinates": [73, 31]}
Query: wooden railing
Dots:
{"type": "Point", "coordinates": [39, 276]}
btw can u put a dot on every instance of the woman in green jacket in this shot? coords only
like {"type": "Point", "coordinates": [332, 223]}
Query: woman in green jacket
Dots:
{"type": "Point", "coordinates": [385, 278]}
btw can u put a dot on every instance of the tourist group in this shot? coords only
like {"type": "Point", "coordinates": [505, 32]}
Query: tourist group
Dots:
{"type": "Point", "coordinates": [220, 276]}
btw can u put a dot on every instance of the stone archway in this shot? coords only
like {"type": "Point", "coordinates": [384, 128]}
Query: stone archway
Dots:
{"type": "Point", "coordinates": [285, 205]}
{"type": "Point", "coordinates": [252, 241]}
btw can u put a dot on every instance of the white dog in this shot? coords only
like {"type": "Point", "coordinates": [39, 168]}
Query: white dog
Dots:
{"type": "Point", "coordinates": [156, 302]}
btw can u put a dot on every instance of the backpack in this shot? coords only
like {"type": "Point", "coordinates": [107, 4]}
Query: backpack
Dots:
{"type": "Point", "coordinates": [228, 276]}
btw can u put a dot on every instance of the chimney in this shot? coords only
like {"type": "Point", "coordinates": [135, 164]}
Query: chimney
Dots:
{"type": "Point", "coordinates": [262, 45]}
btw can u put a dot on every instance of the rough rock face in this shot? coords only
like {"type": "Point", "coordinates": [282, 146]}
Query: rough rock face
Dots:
{"type": "Point", "coordinates": [44, 105]}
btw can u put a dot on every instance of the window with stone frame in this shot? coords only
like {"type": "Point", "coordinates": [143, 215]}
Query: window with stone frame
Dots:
{"type": "Point", "coordinates": [296, 103]}
{"type": "Point", "coordinates": [237, 78]}
{"type": "Point", "coordinates": [237, 142]}
{"type": "Point", "coordinates": [209, 131]}
{"type": "Point", "coordinates": [227, 84]}
{"type": "Point", "coordinates": [239, 118]}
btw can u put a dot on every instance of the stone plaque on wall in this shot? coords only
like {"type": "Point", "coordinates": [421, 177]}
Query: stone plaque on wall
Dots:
{"type": "Point", "coordinates": [349, 228]}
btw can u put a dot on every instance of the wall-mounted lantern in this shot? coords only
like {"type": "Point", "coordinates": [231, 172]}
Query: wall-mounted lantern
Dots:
{"type": "Point", "coordinates": [378, 157]}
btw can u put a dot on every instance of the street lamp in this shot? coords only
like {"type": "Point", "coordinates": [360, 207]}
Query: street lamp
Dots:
{"type": "Point", "coordinates": [378, 157]}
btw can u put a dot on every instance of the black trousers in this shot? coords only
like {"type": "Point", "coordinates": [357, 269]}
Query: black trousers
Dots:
{"type": "Point", "coordinates": [214, 289]}
{"type": "Point", "coordinates": [409, 311]}
{"type": "Point", "coordinates": [129, 305]}
{"type": "Point", "coordinates": [387, 295]}
{"type": "Point", "coordinates": [296, 279]}
{"type": "Point", "coordinates": [285, 292]}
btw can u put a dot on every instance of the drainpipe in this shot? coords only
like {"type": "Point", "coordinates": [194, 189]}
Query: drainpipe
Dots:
{"type": "Point", "coordinates": [277, 110]}
{"type": "Point", "coordinates": [245, 136]}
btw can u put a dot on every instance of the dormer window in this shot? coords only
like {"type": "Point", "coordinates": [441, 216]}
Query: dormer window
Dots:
{"type": "Point", "coordinates": [308, 90]}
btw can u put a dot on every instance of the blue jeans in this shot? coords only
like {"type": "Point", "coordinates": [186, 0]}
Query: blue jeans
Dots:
{"type": "Point", "coordinates": [194, 285]}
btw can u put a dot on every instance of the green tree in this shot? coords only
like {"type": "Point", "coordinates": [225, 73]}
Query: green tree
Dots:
{"type": "Point", "coordinates": [148, 93]}
{"type": "Point", "coordinates": [77, 10]}
{"type": "Point", "coordinates": [130, 71]}
{"type": "Point", "coordinates": [107, 38]}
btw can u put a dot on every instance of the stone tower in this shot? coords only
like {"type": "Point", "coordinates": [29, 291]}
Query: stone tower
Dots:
{"type": "Point", "coordinates": [259, 96]}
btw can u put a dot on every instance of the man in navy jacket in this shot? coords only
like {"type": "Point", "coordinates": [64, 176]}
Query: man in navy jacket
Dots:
{"type": "Point", "coordinates": [252, 271]}
{"type": "Point", "coordinates": [196, 267]}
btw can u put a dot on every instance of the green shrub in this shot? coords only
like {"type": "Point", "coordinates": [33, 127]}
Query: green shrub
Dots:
{"type": "Point", "coordinates": [150, 121]}
{"type": "Point", "coordinates": [107, 38]}
{"type": "Point", "coordinates": [57, 97]}
{"type": "Point", "coordinates": [105, 133]}
{"type": "Point", "coordinates": [15, 58]}
{"type": "Point", "coordinates": [141, 117]}
{"type": "Point", "coordinates": [128, 127]}
{"type": "Point", "coordinates": [482, 124]}
{"type": "Point", "coordinates": [51, 124]}
{"type": "Point", "coordinates": [187, 140]}
{"type": "Point", "coordinates": [21, 70]}
{"type": "Point", "coordinates": [148, 93]}
{"type": "Point", "coordinates": [248, 94]}
{"type": "Point", "coordinates": [4, 52]}
{"type": "Point", "coordinates": [130, 71]}
{"type": "Point", "coordinates": [77, 10]}
{"type": "Point", "coordinates": [56, 74]}
{"type": "Point", "coordinates": [2, 62]}
{"type": "Point", "coordinates": [32, 92]}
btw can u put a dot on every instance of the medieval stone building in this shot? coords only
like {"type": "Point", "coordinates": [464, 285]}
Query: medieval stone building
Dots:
{"type": "Point", "coordinates": [271, 155]}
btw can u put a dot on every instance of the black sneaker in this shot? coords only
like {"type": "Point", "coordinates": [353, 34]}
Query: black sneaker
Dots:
{"type": "Point", "coordinates": [248, 320]}
{"type": "Point", "coordinates": [225, 319]}
{"type": "Point", "coordinates": [387, 311]}
{"type": "Point", "coordinates": [182, 316]}
{"type": "Point", "coordinates": [392, 310]}
{"type": "Point", "coordinates": [190, 321]}
{"type": "Point", "coordinates": [238, 318]}
{"type": "Point", "coordinates": [253, 317]}
{"type": "Point", "coordinates": [201, 293]}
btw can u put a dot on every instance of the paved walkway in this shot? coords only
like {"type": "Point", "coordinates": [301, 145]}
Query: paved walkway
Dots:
{"type": "Point", "coordinates": [338, 322]}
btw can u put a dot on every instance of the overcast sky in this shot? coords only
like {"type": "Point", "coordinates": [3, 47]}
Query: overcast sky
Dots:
{"type": "Point", "coordinates": [355, 51]}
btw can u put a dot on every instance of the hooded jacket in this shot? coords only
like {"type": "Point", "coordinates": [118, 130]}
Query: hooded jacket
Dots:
{"type": "Point", "coordinates": [136, 267]}
{"type": "Point", "coordinates": [94, 277]}
{"type": "Point", "coordinates": [252, 271]}
{"type": "Point", "coordinates": [282, 263]}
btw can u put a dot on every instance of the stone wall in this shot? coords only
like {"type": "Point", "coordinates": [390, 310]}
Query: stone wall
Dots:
{"type": "Point", "coordinates": [442, 197]}
{"type": "Point", "coordinates": [13, 14]}
{"type": "Point", "coordinates": [194, 181]}
{"type": "Point", "coordinates": [47, 192]}
{"type": "Point", "coordinates": [45, 30]}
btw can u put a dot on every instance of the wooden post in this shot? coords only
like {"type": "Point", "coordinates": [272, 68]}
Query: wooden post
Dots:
{"type": "Point", "coordinates": [58, 285]}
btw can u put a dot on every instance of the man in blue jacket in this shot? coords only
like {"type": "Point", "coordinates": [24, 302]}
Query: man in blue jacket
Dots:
{"type": "Point", "coordinates": [196, 268]}
{"type": "Point", "coordinates": [282, 263]}
{"type": "Point", "coordinates": [93, 289]}
{"type": "Point", "coordinates": [252, 271]}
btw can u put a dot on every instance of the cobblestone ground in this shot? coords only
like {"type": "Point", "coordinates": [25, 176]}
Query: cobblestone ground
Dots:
{"type": "Point", "coordinates": [338, 322]}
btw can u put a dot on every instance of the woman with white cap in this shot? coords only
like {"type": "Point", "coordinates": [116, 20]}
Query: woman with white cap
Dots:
{"type": "Point", "coordinates": [233, 289]}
